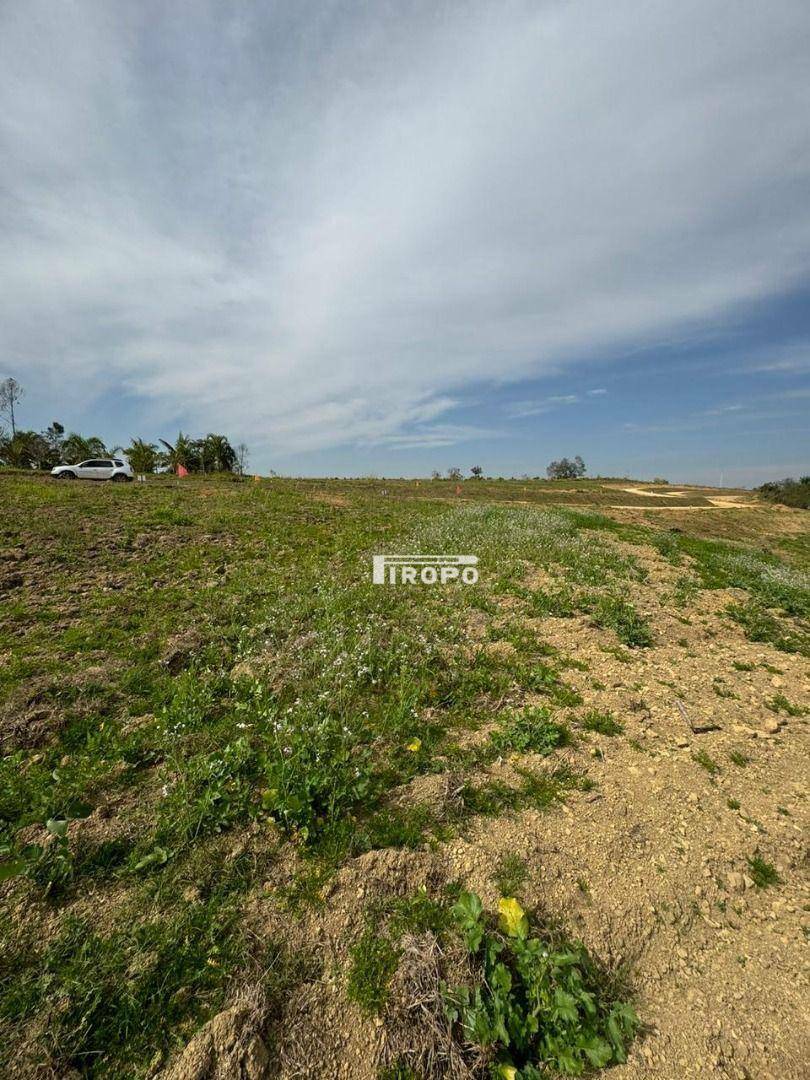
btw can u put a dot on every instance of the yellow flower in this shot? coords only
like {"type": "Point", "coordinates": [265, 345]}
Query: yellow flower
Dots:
{"type": "Point", "coordinates": [513, 918]}
{"type": "Point", "coordinates": [507, 1072]}
{"type": "Point", "coordinates": [415, 746]}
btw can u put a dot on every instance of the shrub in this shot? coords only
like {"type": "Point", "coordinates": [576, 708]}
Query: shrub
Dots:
{"type": "Point", "coordinates": [789, 492]}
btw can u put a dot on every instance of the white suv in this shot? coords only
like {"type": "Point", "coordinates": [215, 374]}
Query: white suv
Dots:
{"type": "Point", "coordinates": [95, 469]}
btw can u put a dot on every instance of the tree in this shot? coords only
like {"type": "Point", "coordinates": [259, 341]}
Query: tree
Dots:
{"type": "Point", "coordinates": [180, 454]}
{"type": "Point", "coordinates": [216, 454]}
{"type": "Point", "coordinates": [142, 456]}
{"type": "Point", "coordinates": [24, 450]}
{"type": "Point", "coordinates": [54, 435]}
{"type": "Point", "coordinates": [76, 448]}
{"type": "Point", "coordinates": [10, 394]}
{"type": "Point", "coordinates": [454, 473]}
{"type": "Point", "coordinates": [242, 455]}
{"type": "Point", "coordinates": [477, 471]}
{"type": "Point", "coordinates": [565, 469]}
{"type": "Point", "coordinates": [212, 454]}
{"type": "Point", "coordinates": [435, 475]}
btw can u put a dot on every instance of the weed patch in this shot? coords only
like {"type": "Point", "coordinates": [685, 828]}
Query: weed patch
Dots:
{"type": "Point", "coordinates": [601, 721]}
{"type": "Point", "coordinates": [620, 616]}
{"type": "Point", "coordinates": [780, 704]}
{"type": "Point", "coordinates": [763, 873]}
{"type": "Point", "coordinates": [706, 762]}
{"type": "Point", "coordinates": [510, 874]}
{"type": "Point", "coordinates": [531, 730]}
{"type": "Point", "coordinates": [542, 1004]}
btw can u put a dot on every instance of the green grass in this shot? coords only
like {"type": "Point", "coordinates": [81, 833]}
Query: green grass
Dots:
{"type": "Point", "coordinates": [763, 873]}
{"type": "Point", "coordinates": [723, 691]}
{"type": "Point", "coordinates": [739, 759]}
{"type": "Point", "coordinates": [103, 998]}
{"type": "Point", "coordinates": [510, 874]}
{"type": "Point", "coordinates": [706, 762]}
{"type": "Point", "coordinates": [779, 703]}
{"type": "Point", "coordinates": [373, 962]}
{"type": "Point", "coordinates": [601, 721]}
{"type": "Point", "coordinates": [374, 958]}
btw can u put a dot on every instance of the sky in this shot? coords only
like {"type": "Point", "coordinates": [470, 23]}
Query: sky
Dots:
{"type": "Point", "coordinates": [385, 238]}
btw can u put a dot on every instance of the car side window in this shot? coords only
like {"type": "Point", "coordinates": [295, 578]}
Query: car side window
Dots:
{"type": "Point", "coordinates": [118, 463]}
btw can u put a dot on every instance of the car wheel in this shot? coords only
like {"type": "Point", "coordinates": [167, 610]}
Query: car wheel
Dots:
{"type": "Point", "coordinates": [67, 475]}
{"type": "Point", "coordinates": [119, 477]}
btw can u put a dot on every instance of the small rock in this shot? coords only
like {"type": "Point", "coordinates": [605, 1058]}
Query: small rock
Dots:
{"type": "Point", "coordinates": [735, 882]}
{"type": "Point", "coordinates": [771, 726]}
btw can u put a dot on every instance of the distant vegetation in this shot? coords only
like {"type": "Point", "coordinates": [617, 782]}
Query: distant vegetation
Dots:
{"type": "Point", "coordinates": [45, 449]}
{"type": "Point", "coordinates": [22, 449]}
{"type": "Point", "coordinates": [790, 492]}
{"type": "Point", "coordinates": [566, 470]}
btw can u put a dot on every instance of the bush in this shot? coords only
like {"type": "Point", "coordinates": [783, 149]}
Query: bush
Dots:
{"type": "Point", "coordinates": [789, 492]}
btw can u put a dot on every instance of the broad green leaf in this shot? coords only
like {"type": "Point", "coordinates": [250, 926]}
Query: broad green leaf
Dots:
{"type": "Point", "coordinates": [12, 869]}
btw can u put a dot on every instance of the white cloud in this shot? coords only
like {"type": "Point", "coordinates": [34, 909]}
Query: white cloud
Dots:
{"type": "Point", "coordinates": [518, 409]}
{"type": "Point", "coordinates": [721, 410]}
{"type": "Point", "coordinates": [316, 225]}
{"type": "Point", "coordinates": [790, 358]}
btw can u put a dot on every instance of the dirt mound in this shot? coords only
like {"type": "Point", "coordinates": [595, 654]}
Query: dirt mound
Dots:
{"type": "Point", "coordinates": [228, 1047]}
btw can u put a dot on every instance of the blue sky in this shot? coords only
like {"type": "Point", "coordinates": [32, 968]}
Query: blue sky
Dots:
{"type": "Point", "coordinates": [397, 237]}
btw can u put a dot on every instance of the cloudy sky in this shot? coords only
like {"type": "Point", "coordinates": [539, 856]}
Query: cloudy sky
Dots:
{"type": "Point", "coordinates": [395, 235]}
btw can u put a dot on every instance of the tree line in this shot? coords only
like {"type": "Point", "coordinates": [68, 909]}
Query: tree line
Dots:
{"type": "Point", "coordinates": [557, 470]}
{"type": "Point", "coordinates": [45, 449]}
{"type": "Point", "coordinates": [28, 449]}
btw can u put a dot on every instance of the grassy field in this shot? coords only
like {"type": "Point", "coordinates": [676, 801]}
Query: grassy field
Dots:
{"type": "Point", "coordinates": [240, 782]}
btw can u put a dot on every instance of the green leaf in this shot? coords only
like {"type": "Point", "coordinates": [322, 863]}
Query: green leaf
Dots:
{"type": "Point", "coordinates": [566, 1006]}
{"type": "Point", "coordinates": [12, 869]}
{"type": "Point", "coordinates": [158, 857]}
{"type": "Point", "coordinates": [57, 827]}
{"type": "Point", "coordinates": [468, 907]}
